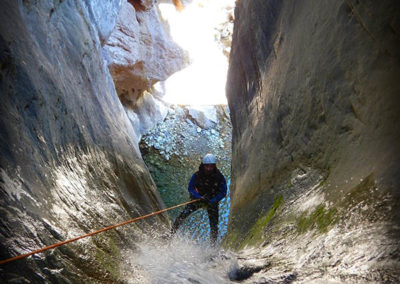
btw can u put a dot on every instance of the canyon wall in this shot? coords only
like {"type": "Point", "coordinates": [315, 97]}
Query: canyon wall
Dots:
{"type": "Point", "coordinates": [139, 53]}
{"type": "Point", "coordinates": [70, 162]}
{"type": "Point", "coordinates": [313, 90]}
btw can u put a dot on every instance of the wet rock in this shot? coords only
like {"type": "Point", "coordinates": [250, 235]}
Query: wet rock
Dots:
{"type": "Point", "coordinates": [315, 120]}
{"type": "Point", "coordinates": [69, 158]}
{"type": "Point", "coordinates": [246, 270]}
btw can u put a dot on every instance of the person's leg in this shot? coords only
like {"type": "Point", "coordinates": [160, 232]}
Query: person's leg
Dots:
{"type": "Point", "coordinates": [189, 209]}
{"type": "Point", "coordinates": [213, 217]}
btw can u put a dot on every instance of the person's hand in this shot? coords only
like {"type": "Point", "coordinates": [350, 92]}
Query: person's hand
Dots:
{"type": "Point", "coordinates": [205, 199]}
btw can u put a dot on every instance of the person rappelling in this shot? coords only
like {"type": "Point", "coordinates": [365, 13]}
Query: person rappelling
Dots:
{"type": "Point", "coordinates": [209, 185]}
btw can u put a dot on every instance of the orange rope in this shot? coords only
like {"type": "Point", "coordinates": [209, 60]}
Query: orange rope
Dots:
{"type": "Point", "coordinates": [94, 233]}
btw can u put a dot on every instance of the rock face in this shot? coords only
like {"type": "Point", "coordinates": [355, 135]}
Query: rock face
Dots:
{"type": "Point", "coordinates": [69, 156]}
{"type": "Point", "coordinates": [149, 110]}
{"type": "Point", "coordinates": [313, 92]}
{"type": "Point", "coordinates": [140, 53]}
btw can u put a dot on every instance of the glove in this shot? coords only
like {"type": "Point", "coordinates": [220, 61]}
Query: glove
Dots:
{"type": "Point", "coordinates": [205, 199]}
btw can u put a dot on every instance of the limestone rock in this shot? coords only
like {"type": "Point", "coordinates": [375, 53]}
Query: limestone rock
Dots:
{"type": "Point", "coordinates": [313, 87]}
{"type": "Point", "coordinates": [148, 111]}
{"type": "Point", "coordinates": [203, 116]}
{"type": "Point", "coordinates": [102, 15]}
{"type": "Point", "coordinates": [69, 159]}
{"type": "Point", "coordinates": [139, 51]}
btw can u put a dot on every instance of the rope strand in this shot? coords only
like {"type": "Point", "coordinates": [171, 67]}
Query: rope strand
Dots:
{"type": "Point", "coordinates": [94, 233]}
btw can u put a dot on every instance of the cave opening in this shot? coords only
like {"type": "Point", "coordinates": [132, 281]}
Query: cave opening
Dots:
{"type": "Point", "coordinates": [204, 30]}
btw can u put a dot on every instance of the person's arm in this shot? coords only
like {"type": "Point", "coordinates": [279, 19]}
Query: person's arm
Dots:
{"type": "Point", "coordinates": [192, 189]}
{"type": "Point", "coordinates": [221, 192]}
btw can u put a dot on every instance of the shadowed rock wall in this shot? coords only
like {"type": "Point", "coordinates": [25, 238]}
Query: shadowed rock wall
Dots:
{"type": "Point", "coordinates": [313, 91]}
{"type": "Point", "coordinates": [68, 154]}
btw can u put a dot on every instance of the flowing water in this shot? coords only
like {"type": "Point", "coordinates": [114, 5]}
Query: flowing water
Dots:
{"type": "Point", "coordinates": [334, 257]}
{"type": "Point", "coordinates": [182, 260]}
{"type": "Point", "coordinates": [188, 257]}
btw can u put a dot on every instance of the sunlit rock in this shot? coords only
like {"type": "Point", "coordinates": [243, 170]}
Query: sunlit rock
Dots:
{"type": "Point", "coordinates": [203, 116]}
{"type": "Point", "coordinates": [139, 51]}
{"type": "Point", "coordinates": [145, 112]}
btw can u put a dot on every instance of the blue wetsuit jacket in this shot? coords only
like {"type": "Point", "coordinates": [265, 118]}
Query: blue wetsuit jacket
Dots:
{"type": "Point", "coordinates": [214, 194]}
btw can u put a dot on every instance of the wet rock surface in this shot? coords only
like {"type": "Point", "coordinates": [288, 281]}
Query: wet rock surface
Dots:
{"type": "Point", "coordinates": [246, 270]}
{"type": "Point", "coordinates": [69, 159]}
{"type": "Point", "coordinates": [174, 149]}
{"type": "Point", "coordinates": [313, 99]}
{"type": "Point", "coordinates": [316, 243]}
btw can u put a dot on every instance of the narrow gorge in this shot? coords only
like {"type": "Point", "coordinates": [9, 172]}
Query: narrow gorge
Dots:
{"type": "Point", "coordinates": [308, 141]}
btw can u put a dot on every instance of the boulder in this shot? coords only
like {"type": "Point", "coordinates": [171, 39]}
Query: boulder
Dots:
{"type": "Point", "coordinates": [204, 116]}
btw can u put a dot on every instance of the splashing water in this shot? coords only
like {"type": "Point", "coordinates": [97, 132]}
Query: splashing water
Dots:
{"type": "Point", "coordinates": [197, 226]}
{"type": "Point", "coordinates": [181, 260]}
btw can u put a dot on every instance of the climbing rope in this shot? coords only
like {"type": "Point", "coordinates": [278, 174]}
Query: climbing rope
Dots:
{"type": "Point", "coordinates": [94, 233]}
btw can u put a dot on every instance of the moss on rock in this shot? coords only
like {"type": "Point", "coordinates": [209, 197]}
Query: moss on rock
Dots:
{"type": "Point", "coordinates": [319, 219]}
{"type": "Point", "coordinates": [108, 255]}
{"type": "Point", "coordinates": [256, 233]}
{"type": "Point", "coordinates": [231, 240]}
